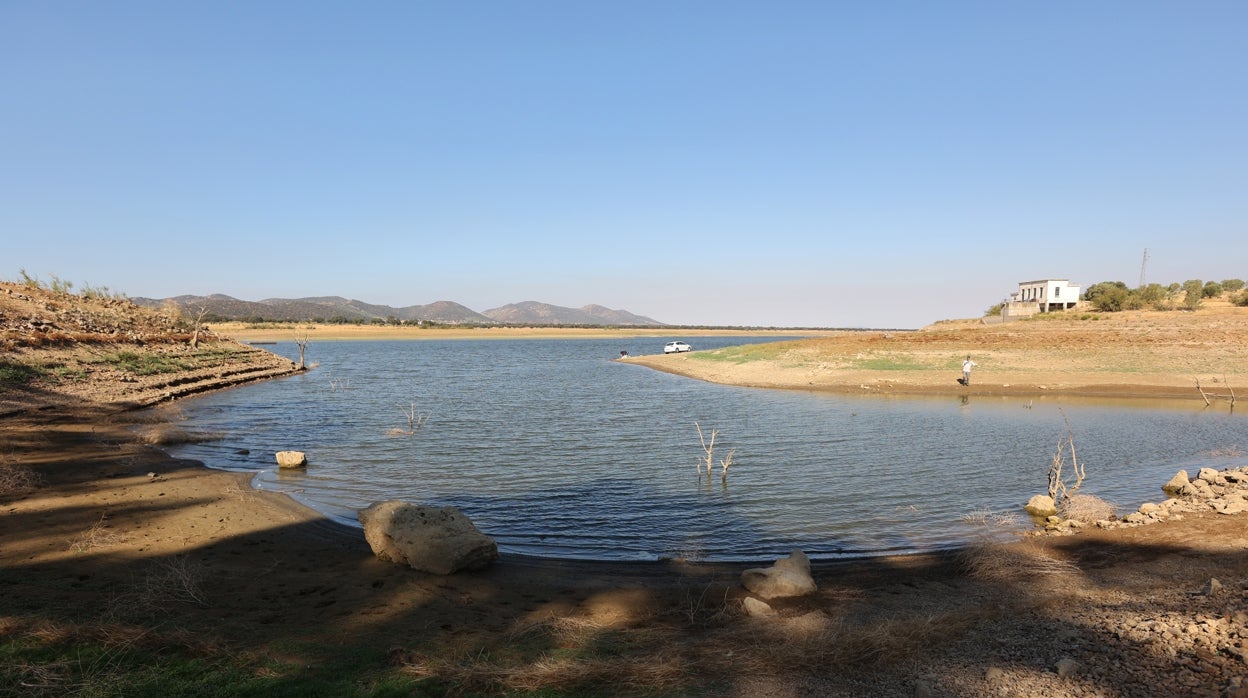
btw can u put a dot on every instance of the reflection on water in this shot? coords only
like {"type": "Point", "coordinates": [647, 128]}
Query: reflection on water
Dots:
{"type": "Point", "coordinates": [556, 450]}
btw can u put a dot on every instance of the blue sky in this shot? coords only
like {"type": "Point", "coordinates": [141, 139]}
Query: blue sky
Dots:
{"type": "Point", "coordinates": [840, 164]}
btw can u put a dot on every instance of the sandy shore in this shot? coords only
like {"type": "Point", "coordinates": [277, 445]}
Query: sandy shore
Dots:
{"type": "Point", "coordinates": [114, 536]}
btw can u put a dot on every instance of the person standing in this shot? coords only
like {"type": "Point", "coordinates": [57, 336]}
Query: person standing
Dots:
{"type": "Point", "coordinates": [966, 370]}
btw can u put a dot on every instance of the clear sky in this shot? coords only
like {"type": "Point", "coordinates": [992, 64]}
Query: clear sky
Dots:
{"type": "Point", "coordinates": [826, 163]}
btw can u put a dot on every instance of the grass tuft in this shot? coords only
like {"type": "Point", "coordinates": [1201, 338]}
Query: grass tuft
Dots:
{"type": "Point", "coordinates": [17, 480]}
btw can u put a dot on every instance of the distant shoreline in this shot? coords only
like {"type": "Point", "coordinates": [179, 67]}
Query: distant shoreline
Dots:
{"type": "Point", "coordinates": [256, 332]}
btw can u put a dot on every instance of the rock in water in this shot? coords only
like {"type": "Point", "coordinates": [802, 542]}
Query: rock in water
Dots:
{"type": "Point", "coordinates": [1177, 484]}
{"type": "Point", "coordinates": [790, 576]}
{"type": "Point", "coordinates": [1041, 505]}
{"type": "Point", "coordinates": [440, 540]}
{"type": "Point", "coordinates": [291, 459]}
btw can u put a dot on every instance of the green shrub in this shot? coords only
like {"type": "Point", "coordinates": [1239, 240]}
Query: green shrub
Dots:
{"type": "Point", "coordinates": [1212, 289]}
{"type": "Point", "coordinates": [1232, 284]}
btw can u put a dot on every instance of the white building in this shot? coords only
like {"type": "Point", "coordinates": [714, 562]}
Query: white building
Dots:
{"type": "Point", "coordinates": [1043, 296]}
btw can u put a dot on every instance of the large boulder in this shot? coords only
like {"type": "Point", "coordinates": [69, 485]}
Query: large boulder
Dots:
{"type": "Point", "coordinates": [291, 459]}
{"type": "Point", "coordinates": [789, 576]}
{"type": "Point", "coordinates": [440, 540]}
{"type": "Point", "coordinates": [1041, 505]}
{"type": "Point", "coordinates": [1178, 485]}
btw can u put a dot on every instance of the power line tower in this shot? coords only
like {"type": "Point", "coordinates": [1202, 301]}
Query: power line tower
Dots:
{"type": "Point", "coordinates": [1143, 265]}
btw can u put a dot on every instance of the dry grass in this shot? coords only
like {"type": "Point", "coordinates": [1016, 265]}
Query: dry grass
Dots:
{"type": "Point", "coordinates": [1003, 520]}
{"type": "Point", "coordinates": [163, 584]}
{"type": "Point", "coordinates": [1087, 508]}
{"type": "Point", "coordinates": [98, 536]}
{"type": "Point", "coordinates": [1014, 562]}
{"type": "Point", "coordinates": [176, 579]}
{"type": "Point", "coordinates": [17, 480]}
{"type": "Point", "coordinates": [701, 638]}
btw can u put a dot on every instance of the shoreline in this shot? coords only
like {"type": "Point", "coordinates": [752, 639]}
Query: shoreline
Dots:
{"type": "Point", "coordinates": [117, 538]}
{"type": "Point", "coordinates": [245, 332]}
{"type": "Point", "coordinates": [266, 576]}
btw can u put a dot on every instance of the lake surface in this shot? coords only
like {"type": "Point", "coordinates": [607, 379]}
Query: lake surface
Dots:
{"type": "Point", "coordinates": [556, 450]}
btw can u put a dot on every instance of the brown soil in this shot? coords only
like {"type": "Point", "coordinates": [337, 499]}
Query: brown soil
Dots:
{"type": "Point", "coordinates": [1129, 354]}
{"type": "Point", "coordinates": [116, 537]}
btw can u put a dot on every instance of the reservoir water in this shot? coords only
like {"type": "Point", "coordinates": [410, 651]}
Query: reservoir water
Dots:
{"type": "Point", "coordinates": [556, 450]}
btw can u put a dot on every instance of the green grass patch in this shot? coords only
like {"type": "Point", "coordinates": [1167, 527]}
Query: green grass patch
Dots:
{"type": "Point", "coordinates": [885, 363]}
{"type": "Point", "coordinates": [94, 668]}
{"type": "Point", "coordinates": [17, 375]}
{"type": "Point", "coordinates": [768, 351]}
{"type": "Point", "coordinates": [145, 364]}
{"type": "Point", "coordinates": [1060, 316]}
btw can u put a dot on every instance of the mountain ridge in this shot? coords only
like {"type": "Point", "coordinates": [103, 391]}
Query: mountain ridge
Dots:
{"type": "Point", "coordinates": [220, 307]}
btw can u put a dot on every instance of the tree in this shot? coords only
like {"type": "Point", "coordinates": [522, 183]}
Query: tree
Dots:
{"type": "Point", "coordinates": [1107, 296]}
{"type": "Point", "coordinates": [1233, 284]}
{"type": "Point", "coordinates": [199, 324]}
{"type": "Point", "coordinates": [301, 341]}
{"type": "Point", "coordinates": [1212, 289]}
{"type": "Point", "coordinates": [1155, 296]}
{"type": "Point", "coordinates": [1193, 292]}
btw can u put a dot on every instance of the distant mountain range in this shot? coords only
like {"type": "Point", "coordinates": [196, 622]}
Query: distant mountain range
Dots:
{"type": "Point", "coordinates": [220, 307]}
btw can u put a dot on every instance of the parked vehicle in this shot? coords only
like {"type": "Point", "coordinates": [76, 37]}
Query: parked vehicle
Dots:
{"type": "Point", "coordinates": [676, 347]}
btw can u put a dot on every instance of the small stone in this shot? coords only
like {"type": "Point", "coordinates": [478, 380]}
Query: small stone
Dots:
{"type": "Point", "coordinates": [994, 675]}
{"type": "Point", "coordinates": [757, 609]}
{"type": "Point", "coordinates": [1067, 667]}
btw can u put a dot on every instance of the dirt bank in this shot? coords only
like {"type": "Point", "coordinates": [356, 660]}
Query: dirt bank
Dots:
{"type": "Point", "coordinates": [1130, 354]}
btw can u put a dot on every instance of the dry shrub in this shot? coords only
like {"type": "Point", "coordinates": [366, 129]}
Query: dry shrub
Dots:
{"type": "Point", "coordinates": [178, 579]}
{"type": "Point", "coordinates": [1015, 562]}
{"type": "Point", "coordinates": [706, 607]}
{"type": "Point", "coordinates": [16, 480]}
{"type": "Point", "coordinates": [98, 536]}
{"type": "Point", "coordinates": [1087, 508]}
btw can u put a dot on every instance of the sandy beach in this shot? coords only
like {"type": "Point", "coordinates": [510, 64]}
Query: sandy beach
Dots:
{"type": "Point", "coordinates": [121, 567]}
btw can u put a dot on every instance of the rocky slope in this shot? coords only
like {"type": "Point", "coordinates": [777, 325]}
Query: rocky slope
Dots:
{"type": "Point", "coordinates": [58, 348]}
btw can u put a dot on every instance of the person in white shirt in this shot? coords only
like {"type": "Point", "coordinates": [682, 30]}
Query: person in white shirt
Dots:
{"type": "Point", "coordinates": [966, 370]}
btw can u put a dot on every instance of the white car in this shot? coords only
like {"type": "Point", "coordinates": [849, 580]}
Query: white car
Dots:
{"type": "Point", "coordinates": [676, 347]}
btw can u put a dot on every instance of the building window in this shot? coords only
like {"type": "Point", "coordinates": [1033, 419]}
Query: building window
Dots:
{"type": "Point", "coordinates": [1057, 291]}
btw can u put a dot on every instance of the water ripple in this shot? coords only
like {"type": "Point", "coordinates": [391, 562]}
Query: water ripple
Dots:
{"type": "Point", "coordinates": [557, 451]}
